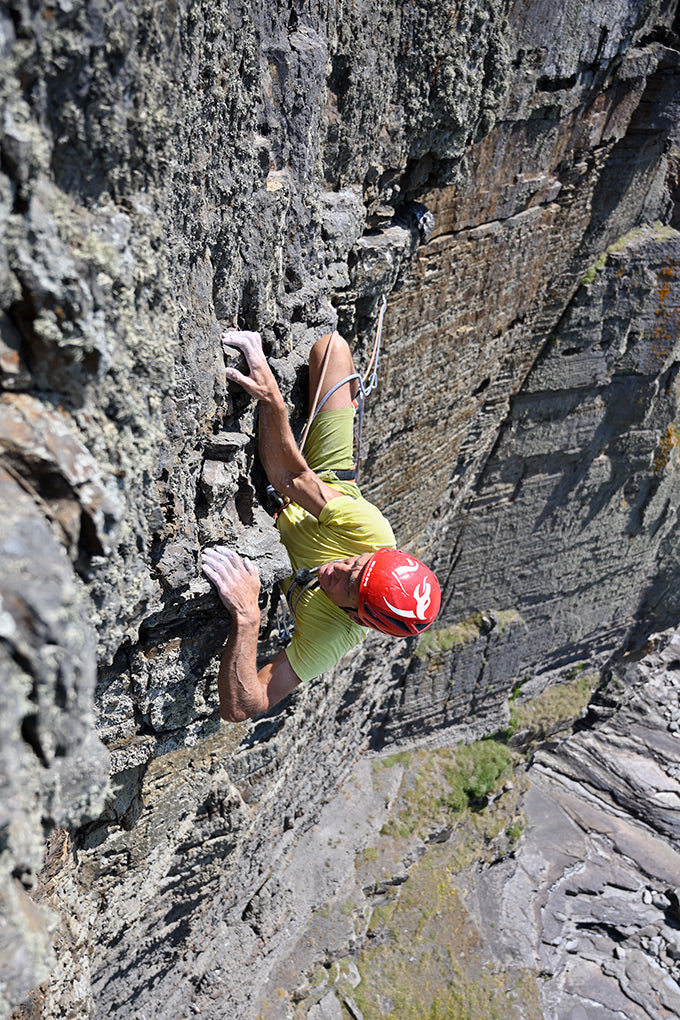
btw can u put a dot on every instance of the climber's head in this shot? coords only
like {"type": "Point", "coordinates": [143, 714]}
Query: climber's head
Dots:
{"type": "Point", "coordinates": [388, 590]}
{"type": "Point", "coordinates": [398, 594]}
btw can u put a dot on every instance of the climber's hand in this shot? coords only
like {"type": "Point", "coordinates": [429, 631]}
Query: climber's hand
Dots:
{"type": "Point", "coordinates": [237, 581]}
{"type": "Point", "coordinates": [261, 383]}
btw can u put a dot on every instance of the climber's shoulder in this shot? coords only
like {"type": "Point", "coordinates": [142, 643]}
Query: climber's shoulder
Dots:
{"type": "Point", "coordinates": [309, 491]}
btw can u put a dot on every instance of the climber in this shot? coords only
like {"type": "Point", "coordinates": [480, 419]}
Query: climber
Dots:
{"type": "Point", "coordinates": [347, 573]}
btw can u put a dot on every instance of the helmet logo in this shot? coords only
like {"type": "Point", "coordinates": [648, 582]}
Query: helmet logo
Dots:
{"type": "Point", "coordinates": [403, 571]}
{"type": "Point", "coordinates": [423, 600]}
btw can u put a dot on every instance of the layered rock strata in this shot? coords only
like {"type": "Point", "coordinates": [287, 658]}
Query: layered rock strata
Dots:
{"type": "Point", "coordinates": [168, 172]}
{"type": "Point", "coordinates": [594, 885]}
{"type": "Point", "coordinates": [578, 917]}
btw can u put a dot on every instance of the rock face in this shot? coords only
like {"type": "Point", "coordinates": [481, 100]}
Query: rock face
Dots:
{"type": "Point", "coordinates": [565, 511]}
{"type": "Point", "coordinates": [506, 173]}
{"type": "Point", "coordinates": [577, 917]}
{"type": "Point", "coordinates": [591, 900]}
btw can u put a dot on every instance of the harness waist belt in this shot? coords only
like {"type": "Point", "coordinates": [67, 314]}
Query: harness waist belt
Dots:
{"type": "Point", "coordinates": [343, 475]}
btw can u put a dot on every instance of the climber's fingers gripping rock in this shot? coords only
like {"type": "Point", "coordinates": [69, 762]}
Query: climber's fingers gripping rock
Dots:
{"type": "Point", "coordinates": [260, 383]}
{"type": "Point", "coordinates": [237, 580]}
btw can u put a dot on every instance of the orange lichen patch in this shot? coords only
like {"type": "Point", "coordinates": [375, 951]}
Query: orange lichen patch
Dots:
{"type": "Point", "coordinates": [665, 284]}
{"type": "Point", "coordinates": [663, 341]}
{"type": "Point", "coordinates": [664, 291]}
{"type": "Point", "coordinates": [663, 453]}
{"type": "Point", "coordinates": [10, 361]}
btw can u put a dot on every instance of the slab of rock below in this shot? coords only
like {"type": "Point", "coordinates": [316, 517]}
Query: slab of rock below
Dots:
{"type": "Point", "coordinates": [328, 1009]}
{"type": "Point", "coordinates": [26, 955]}
{"type": "Point", "coordinates": [586, 900]}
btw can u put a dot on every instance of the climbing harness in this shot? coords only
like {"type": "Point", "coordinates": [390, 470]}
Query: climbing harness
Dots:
{"type": "Point", "coordinates": [367, 384]}
{"type": "Point", "coordinates": [304, 580]}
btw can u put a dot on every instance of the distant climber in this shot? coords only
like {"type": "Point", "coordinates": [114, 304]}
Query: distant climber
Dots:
{"type": "Point", "coordinates": [347, 573]}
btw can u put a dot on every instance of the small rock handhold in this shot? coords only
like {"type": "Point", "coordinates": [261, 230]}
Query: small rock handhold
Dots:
{"type": "Point", "coordinates": [177, 564]}
{"type": "Point", "coordinates": [223, 445]}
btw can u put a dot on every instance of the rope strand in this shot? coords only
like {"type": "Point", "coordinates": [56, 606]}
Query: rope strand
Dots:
{"type": "Point", "coordinates": [375, 355]}
{"type": "Point", "coordinates": [313, 409]}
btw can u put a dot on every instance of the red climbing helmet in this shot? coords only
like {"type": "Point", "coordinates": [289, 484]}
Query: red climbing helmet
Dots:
{"type": "Point", "coordinates": [398, 594]}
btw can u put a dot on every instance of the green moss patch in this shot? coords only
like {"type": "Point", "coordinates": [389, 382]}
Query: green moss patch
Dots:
{"type": "Point", "coordinates": [660, 232]}
{"type": "Point", "coordinates": [432, 963]}
{"type": "Point", "coordinates": [555, 709]}
{"type": "Point", "coordinates": [445, 783]}
{"type": "Point", "coordinates": [443, 639]}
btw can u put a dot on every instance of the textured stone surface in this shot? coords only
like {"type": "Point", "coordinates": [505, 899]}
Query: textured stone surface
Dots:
{"type": "Point", "coordinates": [586, 902]}
{"type": "Point", "coordinates": [53, 767]}
{"type": "Point", "coordinates": [168, 171]}
{"type": "Point", "coordinates": [564, 528]}
{"type": "Point", "coordinates": [589, 898]}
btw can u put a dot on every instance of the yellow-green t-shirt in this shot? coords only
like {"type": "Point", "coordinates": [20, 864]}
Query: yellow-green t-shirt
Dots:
{"type": "Point", "coordinates": [347, 526]}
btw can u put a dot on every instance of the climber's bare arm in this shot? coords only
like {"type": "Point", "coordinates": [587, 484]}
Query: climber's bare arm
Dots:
{"type": "Point", "coordinates": [284, 465]}
{"type": "Point", "coordinates": [243, 691]}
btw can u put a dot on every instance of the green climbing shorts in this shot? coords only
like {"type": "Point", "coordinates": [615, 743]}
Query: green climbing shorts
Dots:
{"type": "Point", "coordinates": [330, 445]}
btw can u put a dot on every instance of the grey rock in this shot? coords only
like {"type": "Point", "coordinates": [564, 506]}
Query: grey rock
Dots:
{"type": "Point", "coordinates": [578, 883]}
{"type": "Point", "coordinates": [353, 1009]}
{"type": "Point", "coordinates": [354, 978]}
{"type": "Point", "coordinates": [328, 1009]}
{"type": "Point", "coordinates": [26, 953]}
